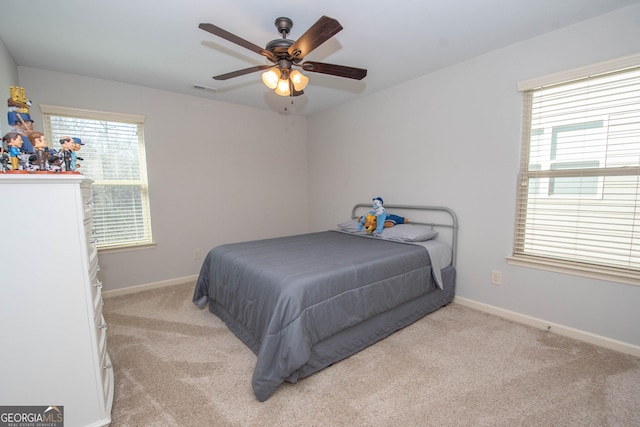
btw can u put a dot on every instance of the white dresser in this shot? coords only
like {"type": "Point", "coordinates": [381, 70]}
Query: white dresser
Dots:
{"type": "Point", "coordinates": [52, 332]}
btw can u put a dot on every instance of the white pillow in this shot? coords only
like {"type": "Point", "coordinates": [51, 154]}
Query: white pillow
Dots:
{"type": "Point", "coordinates": [408, 233]}
{"type": "Point", "coordinates": [350, 226]}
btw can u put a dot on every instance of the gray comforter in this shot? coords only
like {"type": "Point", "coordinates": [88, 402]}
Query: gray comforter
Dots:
{"type": "Point", "coordinates": [282, 296]}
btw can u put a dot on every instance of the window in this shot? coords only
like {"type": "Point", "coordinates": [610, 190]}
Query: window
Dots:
{"type": "Point", "coordinates": [113, 157]}
{"type": "Point", "coordinates": [578, 204]}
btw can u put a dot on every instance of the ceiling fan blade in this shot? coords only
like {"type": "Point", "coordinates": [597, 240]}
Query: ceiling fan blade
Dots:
{"type": "Point", "coordinates": [320, 32]}
{"type": "Point", "coordinates": [241, 72]}
{"type": "Point", "coordinates": [217, 31]}
{"type": "Point", "coordinates": [335, 70]}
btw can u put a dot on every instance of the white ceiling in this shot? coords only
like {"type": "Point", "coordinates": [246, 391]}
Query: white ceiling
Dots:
{"type": "Point", "coordinates": [158, 44]}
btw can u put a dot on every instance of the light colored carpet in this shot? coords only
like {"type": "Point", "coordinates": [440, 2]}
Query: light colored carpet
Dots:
{"type": "Point", "coordinates": [177, 365]}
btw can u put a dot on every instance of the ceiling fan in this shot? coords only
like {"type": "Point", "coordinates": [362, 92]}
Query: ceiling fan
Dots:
{"type": "Point", "coordinates": [285, 54]}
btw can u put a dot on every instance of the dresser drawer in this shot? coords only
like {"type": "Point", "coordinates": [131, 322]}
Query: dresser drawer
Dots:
{"type": "Point", "coordinates": [87, 201]}
{"type": "Point", "coordinates": [101, 334]}
{"type": "Point", "coordinates": [98, 302]}
{"type": "Point", "coordinates": [107, 376]}
{"type": "Point", "coordinates": [90, 233]}
{"type": "Point", "coordinates": [93, 258]}
{"type": "Point", "coordinates": [96, 290]}
{"type": "Point", "coordinates": [105, 365]}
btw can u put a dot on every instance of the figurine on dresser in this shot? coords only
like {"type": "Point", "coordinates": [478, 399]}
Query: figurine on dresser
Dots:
{"type": "Point", "coordinates": [67, 151]}
{"type": "Point", "coordinates": [19, 118]}
{"type": "Point", "coordinates": [40, 146]}
{"type": "Point", "coordinates": [14, 142]}
{"type": "Point", "coordinates": [77, 145]}
{"type": "Point", "coordinates": [55, 161]}
{"type": "Point", "coordinates": [4, 158]}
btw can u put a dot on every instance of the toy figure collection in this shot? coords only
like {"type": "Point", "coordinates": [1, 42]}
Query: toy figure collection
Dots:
{"type": "Point", "coordinates": [24, 150]}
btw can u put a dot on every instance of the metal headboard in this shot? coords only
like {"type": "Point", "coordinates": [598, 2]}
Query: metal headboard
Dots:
{"type": "Point", "coordinates": [452, 223]}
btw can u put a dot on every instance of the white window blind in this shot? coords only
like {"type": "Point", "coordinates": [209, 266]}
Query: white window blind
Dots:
{"type": "Point", "coordinates": [578, 203]}
{"type": "Point", "coordinates": [114, 158]}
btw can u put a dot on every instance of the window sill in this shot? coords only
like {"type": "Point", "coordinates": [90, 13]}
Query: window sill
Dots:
{"type": "Point", "coordinates": [599, 273]}
{"type": "Point", "coordinates": [128, 248]}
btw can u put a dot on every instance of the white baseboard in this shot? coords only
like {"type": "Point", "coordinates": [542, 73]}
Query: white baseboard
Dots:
{"type": "Point", "coordinates": [552, 327]}
{"type": "Point", "coordinates": [146, 287]}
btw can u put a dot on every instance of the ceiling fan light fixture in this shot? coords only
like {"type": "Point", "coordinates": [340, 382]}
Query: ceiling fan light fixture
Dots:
{"type": "Point", "coordinates": [285, 53]}
{"type": "Point", "coordinates": [270, 78]}
{"type": "Point", "coordinates": [283, 88]}
{"type": "Point", "coordinates": [299, 80]}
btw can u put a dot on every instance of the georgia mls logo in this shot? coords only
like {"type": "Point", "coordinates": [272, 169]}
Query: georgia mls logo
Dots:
{"type": "Point", "coordinates": [31, 416]}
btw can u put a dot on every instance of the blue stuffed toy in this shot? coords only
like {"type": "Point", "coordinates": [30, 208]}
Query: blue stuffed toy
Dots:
{"type": "Point", "coordinates": [379, 212]}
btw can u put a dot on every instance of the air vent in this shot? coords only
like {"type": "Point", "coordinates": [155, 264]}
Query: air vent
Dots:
{"type": "Point", "coordinates": [206, 88]}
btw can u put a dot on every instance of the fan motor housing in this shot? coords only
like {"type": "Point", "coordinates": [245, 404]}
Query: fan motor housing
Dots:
{"type": "Point", "coordinates": [279, 45]}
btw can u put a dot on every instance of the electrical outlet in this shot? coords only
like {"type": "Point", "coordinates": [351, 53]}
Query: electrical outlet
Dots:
{"type": "Point", "coordinates": [196, 254]}
{"type": "Point", "coordinates": [496, 277]}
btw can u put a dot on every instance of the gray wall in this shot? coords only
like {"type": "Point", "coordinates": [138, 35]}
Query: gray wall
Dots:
{"type": "Point", "coordinates": [452, 138]}
{"type": "Point", "coordinates": [8, 77]}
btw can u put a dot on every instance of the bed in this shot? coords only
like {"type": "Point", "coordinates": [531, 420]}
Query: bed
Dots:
{"type": "Point", "coordinates": [304, 302]}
